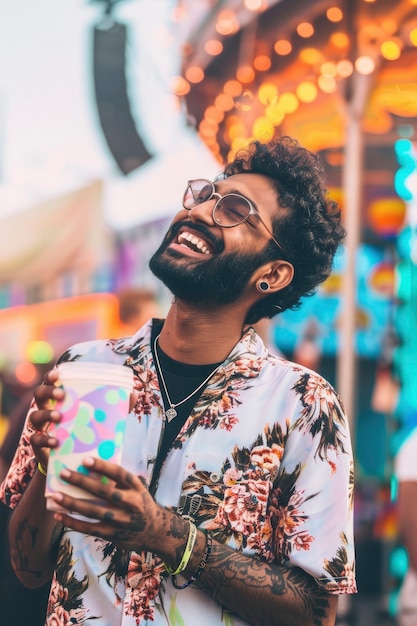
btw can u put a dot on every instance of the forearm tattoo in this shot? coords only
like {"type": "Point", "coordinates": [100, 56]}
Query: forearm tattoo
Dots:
{"type": "Point", "coordinates": [251, 587]}
{"type": "Point", "coordinates": [25, 534]}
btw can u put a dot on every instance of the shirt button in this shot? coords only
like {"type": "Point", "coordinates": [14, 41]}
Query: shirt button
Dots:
{"type": "Point", "coordinates": [215, 477]}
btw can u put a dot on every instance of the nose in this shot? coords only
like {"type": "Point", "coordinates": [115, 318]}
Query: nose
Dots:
{"type": "Point", "coordinates": [203, 212]}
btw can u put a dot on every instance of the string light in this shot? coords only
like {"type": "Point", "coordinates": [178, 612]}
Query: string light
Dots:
{"type": "Point", "coordinates": [364, 65]}
{"type": "Point", "coordinates": [305, 30]}
{"type": "Point", "coordinates": [282, 47]}
{"type": "Point", "coordinates": [213, 47]}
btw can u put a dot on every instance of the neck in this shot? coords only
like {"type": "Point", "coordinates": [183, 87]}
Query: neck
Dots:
{"type": "Point", "coordinates": [199, 336]}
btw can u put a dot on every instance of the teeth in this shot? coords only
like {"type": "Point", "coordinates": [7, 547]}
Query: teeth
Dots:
{"type": "Point", "coordinates": [195, 241]}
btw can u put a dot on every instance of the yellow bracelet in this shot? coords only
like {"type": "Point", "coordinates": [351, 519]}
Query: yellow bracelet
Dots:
{"type": "Point", "coordinates": [192, 536]}
{"type": "Point", "coordinates": [41, 469]}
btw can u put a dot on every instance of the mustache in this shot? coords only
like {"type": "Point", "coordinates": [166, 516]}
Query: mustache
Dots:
{"type": "Point", "coordinates": [217, 245]}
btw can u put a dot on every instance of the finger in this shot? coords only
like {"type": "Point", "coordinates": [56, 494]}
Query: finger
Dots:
{"type": "Point", "coordinates": [118, 474]}
{"type": "Point", "coordinates": [41, 418]}
{"type": "Point", "coordinates": [101, 488]}
{"type": "Point", "coordinates": [90, 526]}
{"type": "Point", "coordinates": [46, 395]}
{"type": "Point", "coordinates": [51, 376]}
{"type": "Point", "coordinates": [43, 440]}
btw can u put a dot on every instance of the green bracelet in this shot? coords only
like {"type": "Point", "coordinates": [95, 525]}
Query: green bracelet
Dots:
{"type": "Point", "coordinates": [192, 536]}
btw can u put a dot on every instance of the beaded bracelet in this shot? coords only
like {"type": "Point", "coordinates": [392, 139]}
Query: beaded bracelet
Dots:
{"type": "Point", "coordinates": [201, 565]}
{"type": "Point", "coordinates": [192, 536]}
{"type": "Point", "coordinates": [41, 469]}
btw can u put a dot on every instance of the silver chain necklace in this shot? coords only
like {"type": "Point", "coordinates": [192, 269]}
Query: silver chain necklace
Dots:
{"type": "Point", "coordinates": [171, 412]}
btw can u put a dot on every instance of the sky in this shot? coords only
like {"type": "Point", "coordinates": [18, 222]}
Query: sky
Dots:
{"type": "Point", "coordinates": [50, 136]}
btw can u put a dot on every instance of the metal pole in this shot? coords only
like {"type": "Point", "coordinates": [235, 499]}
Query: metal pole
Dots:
{"type": "Point", "coordinates": [352, 185]}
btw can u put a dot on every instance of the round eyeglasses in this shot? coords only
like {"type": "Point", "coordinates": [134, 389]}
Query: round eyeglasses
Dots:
{"type": "Point", "coordinates": [229, 210]}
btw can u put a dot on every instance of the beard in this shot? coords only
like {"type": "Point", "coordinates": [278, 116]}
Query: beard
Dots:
{"type": "Point", "coordinates": [219, 280]}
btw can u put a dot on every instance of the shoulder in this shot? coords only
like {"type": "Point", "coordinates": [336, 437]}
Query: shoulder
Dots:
{"type": "Point", "coordinates": [108, 350]}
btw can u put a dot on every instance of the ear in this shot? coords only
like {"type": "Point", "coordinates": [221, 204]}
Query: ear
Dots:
{"type": "Point", "coordinates": [274, 276]}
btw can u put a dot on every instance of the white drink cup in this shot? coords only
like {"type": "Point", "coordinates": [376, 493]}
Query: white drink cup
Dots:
{"type": "Point", "coordinates": [94, 412]}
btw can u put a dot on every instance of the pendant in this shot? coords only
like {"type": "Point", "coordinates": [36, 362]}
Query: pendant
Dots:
{"type": "Point", "coordinates": [170, 413]}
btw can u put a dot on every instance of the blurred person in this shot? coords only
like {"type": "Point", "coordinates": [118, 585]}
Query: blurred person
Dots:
{"type": "Point", "coordinates": [136, 305]}
{"type": "Point", "coordinates": [405, 470]}
{"type": "Point", "coordinates": [234, 502]}
{"type": "Point", "coordinates": [19, 605]}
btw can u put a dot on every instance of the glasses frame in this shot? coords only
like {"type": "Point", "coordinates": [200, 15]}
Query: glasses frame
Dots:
{"type": "Point", "coordinates": [215, 194]}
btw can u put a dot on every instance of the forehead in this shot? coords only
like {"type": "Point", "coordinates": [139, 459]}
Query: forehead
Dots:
{"type": "Point", "coordinates": [258, 188]}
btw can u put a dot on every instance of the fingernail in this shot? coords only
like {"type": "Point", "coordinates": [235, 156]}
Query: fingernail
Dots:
{"type": "Point", "coordinates": [65, 473]}
{"type": "Point", "coordinates": [58, 497]}
{"type": "Point", "coordinates": [88, 461]}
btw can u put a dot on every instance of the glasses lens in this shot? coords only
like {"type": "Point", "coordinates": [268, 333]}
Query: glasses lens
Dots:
{"type": "Point", "coordinates": [197, 191]}
{"type": "Point", "coordinates": [231, 210]}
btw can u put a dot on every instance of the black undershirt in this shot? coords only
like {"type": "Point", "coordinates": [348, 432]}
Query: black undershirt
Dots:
{"type": "Point", "coordinates": [180, 379]}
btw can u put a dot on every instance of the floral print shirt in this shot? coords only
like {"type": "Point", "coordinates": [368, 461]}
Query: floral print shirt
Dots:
{"type": "Point", "coordinates": [263, 462]}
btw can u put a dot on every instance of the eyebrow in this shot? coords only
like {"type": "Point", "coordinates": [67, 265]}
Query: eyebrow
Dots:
{"type": "Point", "coordinates": [237, 192]}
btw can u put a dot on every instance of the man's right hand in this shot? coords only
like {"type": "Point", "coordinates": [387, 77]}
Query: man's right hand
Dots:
{"type": "Point", "coordinates": [43, 414]}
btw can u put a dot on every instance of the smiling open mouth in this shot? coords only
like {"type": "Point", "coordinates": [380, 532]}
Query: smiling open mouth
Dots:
{"type": "Point", "coordinates": [194, 243]}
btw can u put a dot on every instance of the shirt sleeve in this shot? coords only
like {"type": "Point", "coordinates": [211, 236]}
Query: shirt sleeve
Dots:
{"type": "Point", "coordinates": [316, 528]}
{"type": "Point", "coordinates": [22, 468]}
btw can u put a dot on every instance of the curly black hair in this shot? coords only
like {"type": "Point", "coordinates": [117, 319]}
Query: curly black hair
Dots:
{"type": "Point", "coordinates": [310, 226]}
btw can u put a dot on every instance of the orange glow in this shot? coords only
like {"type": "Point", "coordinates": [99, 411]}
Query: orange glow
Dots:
{"type": "Point", "coordinates": [326, 83]}
{"type": "Point", "coordinates": [344, 68]}
{"type": "Point", "coordinates": [208, 128]}
{"type": "Point", "coordinates": [255, 5]}
{"type": "Point", "coordinates": [263, 129]}
{"type": "Point", "coordinates": [306, 91]}
{"type": "Point", "coordinates": [339, 40]}
{"type": "Point", "coordinates": [194, 74]}
{"type": "Point", "coordinates": [391, 50]}
{"type": "Point", "coordinates": [329, 68]}
{"type": "Point", "coordinates": [364, 65]}
{"type": "Point", "coordinates": [237, 130]}
{"type": "Point", "coordinates": [224, 102]}
{"type": "Point", "coordinates": [289, 102]}
{"type": "Point", "coordinates": [262, 62]}
{"type": "Point", "coordinates": [26, 373]}
{"type": "Point", "coordinates": [282, 47]}
{"type": "Point", "coordinates": [268, 93]}
{"type": "Point", "coordinates": [212, 114]}
{"type": "Point", "coordinates": [390, 26]}
{"type": "Point", "coordinates": [245, 74]}
{"type": "Point", "coordinates": [213, 47]}
{"type": "Point", "coordinates": [386, 215]}
{"type": "Point", "coordinates": [275, 113]}
{"type": "Point", "coordinates": [334, 14]}
{"type": "Point", "coordinates": [413, 36]}
{"type": "Point", "coordinates": [226, 23]}
{"type": "Point", "coordinates": [233, 88]}
{"type": "Point", "coordinates": [312, 56]}
{"type": "Point", "coordinates": [305, 29]}
{"type": "Point", "coordinates": [179, 85]}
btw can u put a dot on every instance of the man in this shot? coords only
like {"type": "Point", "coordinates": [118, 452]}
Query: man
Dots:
{"type": "Point", "coordinates": [234, 502]}
{"type": "Point", "coordinates": [405, 470]}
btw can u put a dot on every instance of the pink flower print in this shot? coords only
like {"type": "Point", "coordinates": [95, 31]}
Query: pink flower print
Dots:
{"type": "Point", "coordinates": [146, 386]}
{"type": "Point", "coordinates": [144, 577]}
{"type": "Point", "coordinates": [302, 541]}
{"type": "Point", "coordinates": [232, 476]}
{"type": "Point", "coordinates": [268, 459]}
{"type": "Point", "coordinates": [60, 617]}
{"type": "Point", "coordinates": [244, 506]}
{"type": "Point", "coordinates": [228, 421]}
{"type": "Point", "coordinates": [248, 367]}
